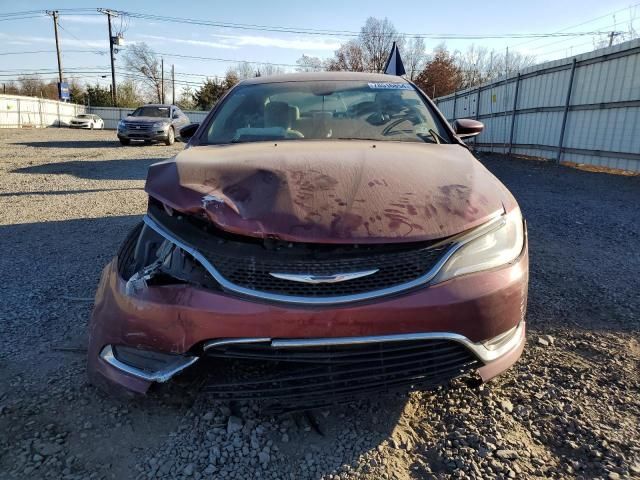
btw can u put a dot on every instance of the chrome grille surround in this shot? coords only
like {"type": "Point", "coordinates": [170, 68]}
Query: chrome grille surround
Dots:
{"type": "Point", "coordinates": [302, 299]}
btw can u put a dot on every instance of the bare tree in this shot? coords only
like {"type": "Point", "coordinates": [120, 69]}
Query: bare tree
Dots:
{"type": "Point", "coordinates": [349, 57]}
{"type": "Point", "coordinates": [515, 61]}
{"type": "Point", "coordinates": [376, 39]}
{"type": "Point", "coordinates": [10, 88]}
{"type": "Point", "coordinates": [414, 57]}
{"type": "Point", "coordinates": [309, 64]}
{"type": "Point", "coordinates": [244, 70]}
{"type": "Point", "coordinates": [479, 64]}
{"type": "Point", "coordinates": [475, 65]}
{"type": "Point", "coordinates": [268, 69]}
{"type": "Point", "coordinates": [144, 62]}
{"type": "Point", "coordinates": [369, 51]}
{"type": "Point", "coordinates": [31, 86]}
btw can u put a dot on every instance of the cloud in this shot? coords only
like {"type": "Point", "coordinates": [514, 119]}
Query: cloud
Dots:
{"type": "Point", "coordinates": [83, 19]}
{"type": "Point", "coordinates": [320, 44]}
{"type": "Point", "coordinates": [65, 41]}
{"type": "Point", "coordinates": [198, 43]}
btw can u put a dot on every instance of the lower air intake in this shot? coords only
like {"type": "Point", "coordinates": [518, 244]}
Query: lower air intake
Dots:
{"type": "Point", "coordinates": [314, 376]}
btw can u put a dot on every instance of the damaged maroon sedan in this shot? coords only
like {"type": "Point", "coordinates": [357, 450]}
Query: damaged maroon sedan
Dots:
{"type": "Point", "coordinates": [332, 231]}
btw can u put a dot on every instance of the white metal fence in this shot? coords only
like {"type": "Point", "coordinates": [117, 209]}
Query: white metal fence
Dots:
{"type": "Point", "coordinates": [17, 112]}
{"type": "Point", "coordinates": [584, 109]}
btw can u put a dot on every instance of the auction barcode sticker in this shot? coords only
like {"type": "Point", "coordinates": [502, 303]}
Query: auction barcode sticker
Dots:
{"type": "Point", "coordinates": [390, 86]}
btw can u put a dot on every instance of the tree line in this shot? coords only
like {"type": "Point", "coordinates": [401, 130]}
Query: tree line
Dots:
{"type": "Point", "coordinates": [437, 72]}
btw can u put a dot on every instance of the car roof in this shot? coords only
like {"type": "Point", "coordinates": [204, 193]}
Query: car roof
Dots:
{"type": "Point", "coordinates": [166, 105]}
{"type": "Point", "coordinates": [327, 76]}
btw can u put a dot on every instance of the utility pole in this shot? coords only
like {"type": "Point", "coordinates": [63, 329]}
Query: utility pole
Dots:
{"type": "Point", "coordinates": [161, 80]}
{"type": "Point", "coordinates": [114, 93]}
{"type": "Point", "coordinates": [54, 15]}
{"type": "Point", "coordinates": [506, 62]}
{"type": "Point", "coordinates": [173, 84]}
{"type": "Point", "coordinates": [611, 36]}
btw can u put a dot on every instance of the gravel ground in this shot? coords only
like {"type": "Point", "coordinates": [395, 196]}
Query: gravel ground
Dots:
{"type": "Point", "coordinates": [569, 409]}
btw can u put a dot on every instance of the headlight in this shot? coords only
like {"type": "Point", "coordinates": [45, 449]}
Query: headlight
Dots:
{"type": "Point", "coordinates": [501, 243]}
{"type": "Point", "coordinates": [160, 125]}
{"type": "Point", "coordinates": [121, 124]}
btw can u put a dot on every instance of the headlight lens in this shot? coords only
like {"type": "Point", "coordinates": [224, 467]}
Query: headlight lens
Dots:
{"type": "Point", "coordinates": [121, 124]}
{"type": "Point", "coordinates": [159, 125]}
{"type": "Point", "coordinates": [497, 247]}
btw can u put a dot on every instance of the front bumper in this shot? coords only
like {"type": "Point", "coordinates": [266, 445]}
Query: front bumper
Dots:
{"type": "Point", "coordinates": [181, 320]}
{"type": "Point", "coordinates": [157, 135]}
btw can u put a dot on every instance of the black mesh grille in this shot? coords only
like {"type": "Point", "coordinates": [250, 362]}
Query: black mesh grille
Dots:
{"type": "Point", "coordinates": [393, 269]}
{"type": "Point", "coordinates": [317, 375]}
{"type": "Point", "coordinates": [248, 262]}
{"type": "Point", "coordinates": [139, 126]}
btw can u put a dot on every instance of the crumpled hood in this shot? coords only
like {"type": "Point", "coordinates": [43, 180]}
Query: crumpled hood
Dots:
{"type": "Point", "coordinates": [332, 191]}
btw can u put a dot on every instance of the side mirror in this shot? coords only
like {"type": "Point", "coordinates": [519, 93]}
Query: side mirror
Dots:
{"type": "Point", "coordinates": [189, 131]}
{"type": "Point", "coordinates": [175, 115]}
{"type": "Point", "coordinates": [465, 127]}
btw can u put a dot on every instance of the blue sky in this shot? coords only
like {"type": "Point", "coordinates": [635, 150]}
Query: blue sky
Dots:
{"type": "Point", "coordinates": [90, 32]}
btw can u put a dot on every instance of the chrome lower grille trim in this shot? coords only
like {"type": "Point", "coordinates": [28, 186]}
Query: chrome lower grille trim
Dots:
{"type": "Point", "coordinates": [486, 351]}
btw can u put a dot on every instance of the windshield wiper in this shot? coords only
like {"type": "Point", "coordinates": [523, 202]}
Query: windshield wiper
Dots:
{"type": "Point", "coordinates": [437, 137]}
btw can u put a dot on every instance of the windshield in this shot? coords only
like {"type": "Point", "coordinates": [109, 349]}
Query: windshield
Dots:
{"type": "Point", "coordinates": [322, 110]}
{"type": "Point", "coordinates": [160, 112]}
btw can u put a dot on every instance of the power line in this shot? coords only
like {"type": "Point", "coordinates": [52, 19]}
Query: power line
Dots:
{"type": "Point", "coordinates": [216, 59]}
{"type": "Point", "coordinates": [304, 31]}
{"type": "Point", "coordinates": [343, 33]}
{"type": "Point", "coordinates": [166, 54]}
{"type": "Point", "coordinates": [560, 41]}
{"type": "Point", "coordinates": [28, 52]}
{"type": "Point", "coordinates": [20, 18]}
{"type": "Point", "coordinates": [79, 72]}
{"type": "Point", "coordinates": [585, 22]}
{"type": "Point", "coordinates": [26, 12]}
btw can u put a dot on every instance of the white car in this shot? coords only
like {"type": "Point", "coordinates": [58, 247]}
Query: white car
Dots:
{"type": "Point", "coordinates": [86, 120]}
